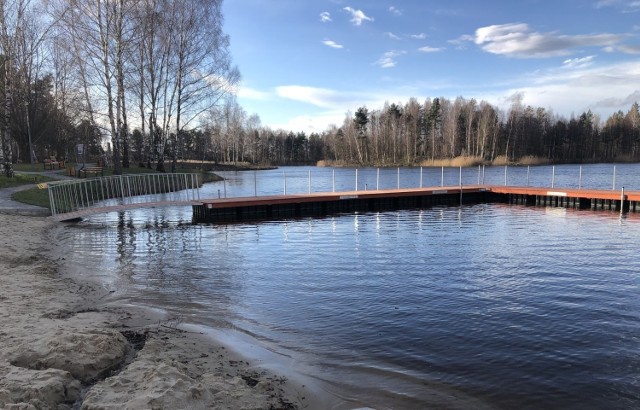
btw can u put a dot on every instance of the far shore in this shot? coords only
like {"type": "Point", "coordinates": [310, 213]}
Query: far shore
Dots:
{"type": "Point", "coordinates": [63, 345]}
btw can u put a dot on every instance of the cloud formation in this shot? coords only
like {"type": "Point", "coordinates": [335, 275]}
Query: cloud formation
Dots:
{"type": "Point", "coordinates": [578, 62]}
{"type": "Point", "coordinates": [518, 40]}
{"type": "Point", "coordinates": [392, 36]}
{"type": "Point", "coordinates": [396, 12]}
{"type": "Point", "coordinates": [325, 17]}
{"type": "Point", "coordinates": [320, 97]}
{"type": "Point", "coordinates": [332, 44]}
{"type": "Point", "coordinates": [427, 49]}
{"type": "Point", "coordinates": [388, 59]}
{"type": "Point", "coordinates": [357, 16]}
{"type": "Point", "coordinates": [420, 36]}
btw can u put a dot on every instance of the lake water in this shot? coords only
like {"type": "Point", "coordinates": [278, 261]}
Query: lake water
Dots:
{"type": "Point", "coordinates": [479, 306]}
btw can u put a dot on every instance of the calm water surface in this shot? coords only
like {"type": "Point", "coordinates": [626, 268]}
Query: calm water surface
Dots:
{"type": "Point", "coordinates": [453, 307]}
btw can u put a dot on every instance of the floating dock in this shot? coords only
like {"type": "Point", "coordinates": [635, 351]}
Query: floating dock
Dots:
{"type": "Point", "coordinates": [326, 203]}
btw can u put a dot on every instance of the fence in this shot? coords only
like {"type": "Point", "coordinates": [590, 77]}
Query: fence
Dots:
{"type": "Point", "coordinates": [72, 196]}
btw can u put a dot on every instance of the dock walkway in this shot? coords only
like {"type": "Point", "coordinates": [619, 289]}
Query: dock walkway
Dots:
{"type": "Point", "coordinates": [320, 204]}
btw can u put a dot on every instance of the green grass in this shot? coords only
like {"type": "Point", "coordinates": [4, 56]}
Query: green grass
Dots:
{"type": "Point", "coordinates": [33, 196]}
{"type": "Point", "coordinates": [22, 179]}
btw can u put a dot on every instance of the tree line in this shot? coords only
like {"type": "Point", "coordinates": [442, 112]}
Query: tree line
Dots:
{"type": "Point", "coordinates": [434, 130]}
{"type": "Point", "coordinates": [152, 81]}
{"type": "Point", "coordinates": [140, 74]}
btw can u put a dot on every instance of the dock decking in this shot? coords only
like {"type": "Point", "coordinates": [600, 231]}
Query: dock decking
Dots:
{"type": "Point", "coordinates": [320, 204]}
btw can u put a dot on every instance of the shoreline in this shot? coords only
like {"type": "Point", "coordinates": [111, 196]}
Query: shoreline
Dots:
{"type": "Point", "coordinates": [64, 345]}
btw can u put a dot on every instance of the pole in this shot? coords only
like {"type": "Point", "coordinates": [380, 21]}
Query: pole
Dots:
{"type": "Point", "coordinates": [622, 201]}
{"type": "Point", "coordinates": [442, 177]}
{"type": "Point", "coordinates": [553, 176]}
{"type": "Point", "coordinates": [378, 179]}
{"type": "Point", "coordinates": [284, 178]}
{"type": "Point", "coordinates": [309, 181]}
{"type": "Point", "coordinates": [528, 171]}
{"type": "Point", "coordinates": [505, 175]}
{"type": "Point", "coordinates": [478, 174]}
{"type": "Point", "coordinates": [460, 182]}
{"type": "Point", "coordinates": [420, 177]}
{"type": "Point", "coordinates": [580, 178]}
{"type": "Point", "coordinates": [398, 184]}
{"type": "Point", "coordinates": [614, 177]}
{"type": "Point", "coordinates": [255, 183]}
{"type": "Point", "coordinates": [356, 179]}
{"type": "Point", "coordinates": [333, 189]}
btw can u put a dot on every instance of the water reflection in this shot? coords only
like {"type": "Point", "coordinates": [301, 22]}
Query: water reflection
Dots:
{"type": "Point", "coordinates": [409, 309]}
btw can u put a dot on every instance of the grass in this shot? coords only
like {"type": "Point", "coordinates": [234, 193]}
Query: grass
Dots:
{"type": "Point", "coordinates": [33, 196]}
{"type": "Point", "coordinates": [22, 179]}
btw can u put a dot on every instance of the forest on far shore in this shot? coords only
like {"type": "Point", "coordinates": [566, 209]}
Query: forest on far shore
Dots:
{"type": "Point", "coordinates": [437, 132]}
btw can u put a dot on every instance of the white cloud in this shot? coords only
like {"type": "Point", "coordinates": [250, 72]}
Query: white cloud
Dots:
{"type": "Point", "coordinates": [320, 97]}
{"type": "Point", "coordinates": [388, 59]}
{"type": "Point", "coordinates": [634, 49]}
{"type": "Point", "coordinates": [420, 36]}
{"type": "Point", "coordinates": [392, 36]}
{"type": "Point", "coordinates": [325, 17]}
{"type": "Point", "coordinates": [579, 90]}
{"type": "Point", "coordinates": [252, 94]}
{"type": "Point", "coordinates": [626, 6]}
{"type": "Point", "coordinates": [396, 12]}
{"type": "Point", "coordinates": [578, 62]}
{"type": "Point", "coordinates": [518, 40]}
{"type": "Point", "coordinates": [427, 49]}
{"type": "Point", "coordinates": [357, 16]}
{"type": "Point", "coordinates": [332, 44]}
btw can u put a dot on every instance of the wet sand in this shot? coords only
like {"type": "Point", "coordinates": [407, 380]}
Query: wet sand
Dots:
{"type": "Point", "coordinates": [63, 345]}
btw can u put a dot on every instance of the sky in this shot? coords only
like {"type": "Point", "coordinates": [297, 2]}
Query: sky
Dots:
{"type": "Point", "coordinates": [307, 64]}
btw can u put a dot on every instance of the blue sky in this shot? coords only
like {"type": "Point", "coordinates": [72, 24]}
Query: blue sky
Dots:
{"type": "Point", "coordinates": [306, 64]}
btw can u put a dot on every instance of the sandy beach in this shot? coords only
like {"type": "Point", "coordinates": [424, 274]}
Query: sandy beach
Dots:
{"type": "Point", "coordinates": [63, 346]}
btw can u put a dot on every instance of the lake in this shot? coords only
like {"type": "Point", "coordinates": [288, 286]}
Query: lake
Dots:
{"type": "Point", "coordinates": [484, 306]}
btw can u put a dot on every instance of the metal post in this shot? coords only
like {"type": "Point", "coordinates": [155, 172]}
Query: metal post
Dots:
{"type": "Point", "coordinates": [309, 181]}
{"type": "Point", "coordinates": [121, 187]}
{"type": "Point", "coordinates": [378, 179]}
{"type": "Point", "coordinates": [614, 177]}
{"type": "Point", "coordinates": [478, 174]}
{"type": "Point", "coordinates": [505, 175]}
{"type": "Point", "coordinates": [580, 178]}
{"type": "Point", "coordinates": [483, 175]}
{"type": "Point", "coordinates": [334, 181]}
{"type": "Point", "coordinates": [442, 177]}
{"type": "Point", "coordinates": [622, 201]}
{"type": "Point", "coordinates": [398, 183]}
{"type": "Point", "coordinates": [224, 185]}
{"type": "Point", "coordinates": [553, 176]}
{"type": "Point", "coordinates": [356, 179]}
{"type": "Point", "coordinates": [528, 171]}
{"type": "Point", "coordinates": [460, 181]}
{"type": "Point", "coordinates": [255, 183]}
{"type": "Point", "coordinates": [284, 178]}
{"type": "Point", "coordinates": [420, 177]}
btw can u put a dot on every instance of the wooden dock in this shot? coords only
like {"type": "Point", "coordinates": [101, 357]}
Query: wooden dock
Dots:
{"type": "Point", "coordinates": [326, 203]}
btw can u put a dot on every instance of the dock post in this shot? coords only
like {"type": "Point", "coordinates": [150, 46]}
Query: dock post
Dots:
{"type": "Point", "coordinates": [442, 177]}
{"type": "Point", "coordinates": [378, 179]}
{"type": "Point", "coordinates": [255, 183]}
{"type": "Point", "coordinates": [478, 174]}
{"type": "Point", "coordinates": [622, 201]}
{"type": "Point", "coordinates": [398, 183]}
{"type": "Point", "coordinates": [483, 175]}
{"type": "Point", "coordinates": [356, 179]}
{"type": "Point", "coordinates": [284, 182]}
{"type": "Point", "coordinates": [309, 181]}
{"type": "Point", "coordinates": [505, 175]}
{"type": "Point", "coordinates": [420, 177]}
{"type": "Point", "coordinates": [553, 176]}
{"type": "Point", "coordinates": [580, 178]}
{"type": "Point", "coordinates": [333, 189]}
{"type": "Point", "coordinates": [224, 185]}
{"type": "Point", "coordinates": [528, 171]}
{"type": "Point", "coordinates": [460, 179]}
{"type": "Point", "coordinates": [614, 177]}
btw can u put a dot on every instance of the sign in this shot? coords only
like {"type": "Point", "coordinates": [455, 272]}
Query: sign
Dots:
{"type": "Point", "coordinates": [80, 149]}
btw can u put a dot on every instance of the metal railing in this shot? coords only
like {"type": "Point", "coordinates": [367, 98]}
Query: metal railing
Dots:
{"type": "Point", "coordinates": [77, 195]}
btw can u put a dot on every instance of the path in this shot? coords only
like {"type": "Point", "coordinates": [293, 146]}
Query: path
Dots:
{"type": "Point", "coordinates": [9, 206]}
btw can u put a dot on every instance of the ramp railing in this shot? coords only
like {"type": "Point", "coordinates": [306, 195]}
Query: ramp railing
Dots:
{"type": "Point", "coordinates": [77, 195]}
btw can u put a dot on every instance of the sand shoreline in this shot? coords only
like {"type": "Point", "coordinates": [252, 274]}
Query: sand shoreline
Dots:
{"type": "Point", "coordinates": [63, 345]}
